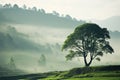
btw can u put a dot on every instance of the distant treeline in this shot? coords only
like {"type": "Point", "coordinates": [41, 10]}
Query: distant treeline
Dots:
{"type": "Point", "coordinates": [24, 15]}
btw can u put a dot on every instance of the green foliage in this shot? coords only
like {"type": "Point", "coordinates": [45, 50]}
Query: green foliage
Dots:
{"type": "Point", "coordinates": [88, 39]}
{"type": "Point", "coordinates": [96, 78]}
{"type": "Point", "coordinates": [73, 54]}
{"type": "Point", "coordinates": [98, 58]}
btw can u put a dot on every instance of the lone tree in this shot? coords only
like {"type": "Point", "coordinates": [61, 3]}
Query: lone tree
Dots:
{"type": "Point", "coordinates": [88, 41]}
{"type": "Point", "coordinates": [42, 60]}
{"type": "Point", "coordinates": [12, 63]}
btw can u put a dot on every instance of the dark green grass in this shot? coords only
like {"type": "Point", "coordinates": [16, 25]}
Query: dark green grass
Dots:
{"type": "Point", "coordinates": [84, 73]}
{"type": "Point", "coordinates": [107, 75]}
{"type": "Point", "coordinates": [91, 73]}
{"type": "Point", "coordinates": [96, 78]}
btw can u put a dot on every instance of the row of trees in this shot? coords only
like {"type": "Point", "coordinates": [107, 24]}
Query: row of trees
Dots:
{"type": "Point", "coordinates": [12, 62]}
{"type": "Point", "coordinates": [15, 6]}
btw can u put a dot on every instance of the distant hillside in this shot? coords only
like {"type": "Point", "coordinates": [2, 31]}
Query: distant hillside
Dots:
{"type": "Point", "coordinates": [115, 34]}
{"type": "Point", "coordinates": [11, 39]}
{"type": "Point", "coordinates": [36, 17]}
{"type": "Point", "coordinates": [113, 23]}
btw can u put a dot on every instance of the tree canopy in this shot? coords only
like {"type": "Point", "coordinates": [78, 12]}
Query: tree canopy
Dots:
{"type": "Point", "coordinates": [88, 39]}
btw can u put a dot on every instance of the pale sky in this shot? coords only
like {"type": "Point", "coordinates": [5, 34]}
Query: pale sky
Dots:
{"type": "Point", "coordinates": [80, 9]}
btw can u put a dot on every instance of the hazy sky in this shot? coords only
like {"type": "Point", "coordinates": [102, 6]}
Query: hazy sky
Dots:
{"type": "Point", "coordinates": [81, 9]}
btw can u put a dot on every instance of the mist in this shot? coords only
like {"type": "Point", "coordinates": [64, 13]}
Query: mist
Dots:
{"type": "Point", "coordinates": [33, 43]}
{"type": "Point", "coordinates": [46, 41]}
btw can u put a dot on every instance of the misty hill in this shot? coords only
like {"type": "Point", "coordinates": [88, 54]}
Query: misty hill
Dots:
{"type": "Point", "coordinates": [33, 16]}
{"type": "Point", "coordinates": [113, 23]}
{"type": "Point", "coordinates": [115, 34]}
{"type": "Point", "coordinates": [11, 39]}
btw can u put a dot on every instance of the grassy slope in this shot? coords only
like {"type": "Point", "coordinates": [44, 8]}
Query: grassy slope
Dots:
{"type": "Point", "coordinates": [92, 73]}
{"type": "Point", "coordinates": [111, 75]}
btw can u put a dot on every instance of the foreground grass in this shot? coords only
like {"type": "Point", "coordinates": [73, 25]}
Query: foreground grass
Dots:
{"type": "Point", "coordinates": [85, 73]}
{"type": "Point", "coordinates": [108, 75]}
{"type": "Point", "coordinates": [96, 78]}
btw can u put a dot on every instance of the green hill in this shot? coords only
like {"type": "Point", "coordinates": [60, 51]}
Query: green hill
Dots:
{"type": "Point", "coordinates": [83, 73]}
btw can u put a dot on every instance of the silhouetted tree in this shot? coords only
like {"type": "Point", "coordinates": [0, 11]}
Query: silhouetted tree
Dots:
{"type": "Point", "coordinates": [24, 6]}
{"type": "Point", "coordinates": [55, 13]}
{"type": "Point", "coordinates": [12, 63]}
{"type": "Point", "coordinates": [68, 17]}
{"type": "Point", "coordinates": [15, 6]}
{"type": "Point", "coordinates": [34, 9]}
{"type": "Point", "coordinates": [7, 6]}
{"type": "Point", "coordinates": [74, 19]}
{"type": "Point", "coordinates": [43, 11]}
{"type": "Point", "coordinates": [42, 60]}
{"type": "Point", "coordinates": [88, 40]}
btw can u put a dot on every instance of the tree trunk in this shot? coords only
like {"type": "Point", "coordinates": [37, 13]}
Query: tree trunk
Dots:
{"type": "Point", "coordinates": [86, 63]}
{"type": "Point", "coordinates": [90, 62]}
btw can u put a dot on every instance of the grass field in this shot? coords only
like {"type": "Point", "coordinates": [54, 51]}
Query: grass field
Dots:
{"type": "Point", "coordinates": [96, 78]}
{"type": "Point", "coordinates": [108, 75]}
{"type": "Point", "coordinates": [91, 73]}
